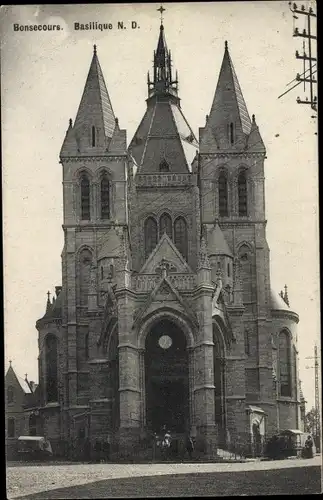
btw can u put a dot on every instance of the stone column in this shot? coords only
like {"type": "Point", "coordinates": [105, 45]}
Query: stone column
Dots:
{"type": "Point", "coordinates": [203, 360]}
{"type": "Point", "coordinates": [129, 376]}
{"type": "Point", "coordinates": [100, 399]}
{"type": "Point", "coordinates": [235, 379]}
{"type": "Point", "coordinates": [71, 317]}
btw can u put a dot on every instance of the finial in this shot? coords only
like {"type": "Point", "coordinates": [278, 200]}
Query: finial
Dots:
{"type": "Point", "coordinates": [286, 295]}
{"type": "Point", "coordinates": [253, 119]}
{"type": "Point", "coordinates": [226, 45]}
{"type": "Point", "coordinates": [161, 10]}
{"type": "Point", "coordinates": [94, 49]}
{"type": "Point", "coordinates": [48, 295]}
{"type": "Point", "coordinates": [70, 122]}
{"type": "Point", "coordinates": [26, 376]}
{"type": "Point", "coordinates": [206, 118]}
{"type": "Point", "coordinates": [116, 121]}
{"type": "Point", "coordinates": [10, 362]}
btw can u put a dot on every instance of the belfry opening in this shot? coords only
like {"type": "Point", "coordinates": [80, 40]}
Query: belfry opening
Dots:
{"type": "Point", "coordinates": [166, 378]}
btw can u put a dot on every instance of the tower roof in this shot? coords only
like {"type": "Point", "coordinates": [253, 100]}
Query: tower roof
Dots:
{"type": "Point", "coordinates": [95, 130]}
{"type": "Point", "coordinates": [95, 101]}
{"type": "Point", "coordinates": [163, 81]}
{"type": "Point", "coordinates": [216, 242]}
{"type": "Point", "coordinates": [164, 141]}
{"type": "Point", "coordinates": [229, 122]}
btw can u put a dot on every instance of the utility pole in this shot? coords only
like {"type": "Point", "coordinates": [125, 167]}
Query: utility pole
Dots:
{"type": "Point", "coordinates": [317, 398]}
{"type": "Point", "coordinates": [307, 77]}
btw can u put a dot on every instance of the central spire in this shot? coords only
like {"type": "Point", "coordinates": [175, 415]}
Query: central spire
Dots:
{"type": "Point", "coordinates": [163, 82]}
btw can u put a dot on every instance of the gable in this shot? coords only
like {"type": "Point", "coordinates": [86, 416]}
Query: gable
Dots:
{"type": "Point", "coordinates": [164, 294]}
{"type": "Point", "coordinates": [167, 251]}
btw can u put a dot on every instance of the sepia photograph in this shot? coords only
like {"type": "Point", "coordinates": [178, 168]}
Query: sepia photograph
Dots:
{"type": "Point", "coordinates": [161, 249]}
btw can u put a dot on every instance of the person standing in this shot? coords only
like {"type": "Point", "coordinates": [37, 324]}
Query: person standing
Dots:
{"type": "Point", "coordinates": [309, 447]}
{"type": "Point", "coordinates": [189, 446]}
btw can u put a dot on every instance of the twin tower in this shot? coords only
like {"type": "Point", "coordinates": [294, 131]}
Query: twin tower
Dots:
{"type": "Point", "coordinates": [165, 316]}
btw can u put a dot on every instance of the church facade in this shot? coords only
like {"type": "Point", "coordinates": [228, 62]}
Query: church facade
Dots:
{"type": "Point", "coordinates": [166, 316]}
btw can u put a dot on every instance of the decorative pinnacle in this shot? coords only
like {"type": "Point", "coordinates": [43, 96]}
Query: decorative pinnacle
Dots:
{"type": "Point", "coordinates": [226, 45]}
{"type": "Point", "coordinates": [48, 295]}
{"type": "Point", "coordinates": [286, 299]}
{"type": "Point", "coordinates": [253, 118]}
{"type": "Point", "coordinates": [26, 376]}
{"type": "Point", "coordinates": [94, 49]}
{"type": "Point", "coordinates": [10, 362]}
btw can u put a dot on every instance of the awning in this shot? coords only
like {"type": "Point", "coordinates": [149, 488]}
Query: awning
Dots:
{"type": "Point", "coordinates": [31, 438]}
{"type": "Point", "coordinates": [292, 431]}
{"type": "Point", "coordinates": [255, 409]}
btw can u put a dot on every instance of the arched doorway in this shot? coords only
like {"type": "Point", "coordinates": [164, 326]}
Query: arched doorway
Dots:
{"type": "Point", "coordinates": [166, 378]}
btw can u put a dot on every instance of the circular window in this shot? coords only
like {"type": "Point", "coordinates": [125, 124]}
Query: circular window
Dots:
{"type": "Point", "coordinates": [165, 341]}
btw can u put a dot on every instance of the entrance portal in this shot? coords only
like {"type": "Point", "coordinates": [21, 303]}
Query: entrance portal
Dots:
{"type": "Point", "coordinates": [166, 377]}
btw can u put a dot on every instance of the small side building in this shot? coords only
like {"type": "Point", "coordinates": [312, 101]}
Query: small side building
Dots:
{"type": "Point", "coordinates": [20, 410]}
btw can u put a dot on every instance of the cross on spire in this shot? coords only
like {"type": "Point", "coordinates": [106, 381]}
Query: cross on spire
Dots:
{"type": "Point", "coordinates": [161, 10]}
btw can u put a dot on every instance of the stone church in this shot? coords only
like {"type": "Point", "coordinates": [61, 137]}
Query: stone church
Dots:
{"type": "Point", "coordinates": [166, 316]}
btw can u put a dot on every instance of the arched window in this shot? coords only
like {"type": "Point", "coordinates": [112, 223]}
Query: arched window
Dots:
{"type": "Point", "coordinates": [180, 235]}
{"type": "Point", "coordinates": [11, 427]}
{"type": "Point", "coordinates": [86, 346]}
{"type": "Point", "coordinates": [163, 166]}
{"type": "Point", "coordinates": [85, 197]}
{"type": "Point", "coordinates": [85, 261]}
{"type": "Point", "coordinates": [228, 269]}
{"type": "Point", "coordinates": [242, 194]}
{"type": "Point", "coordinates": [150, 235]}
{"type": "Point", "coordinates": [246, 342]}
{"type": "Point", "coordinates": [93, 137]}
{"type": "Point", "coordinates": [246, 275]}
{"type": "Point", "coordinates": [231, 133]}
{"type": "Point", "coordinates": [284, 364]}
{"type": "Point", "coordinates": [295, 372]}
{"type": "Point", "coordinates": [165, 226]}
{"type": "Point", "coordinates": [219, 383]}
{"type": "Point", "coordinates": [32, 425]}
{"type": "Point", "coordinates": [10, 394]}
{"type": "Point", "coordinates": [105, 197]}
{"type": "Point", "coordinates": [223, 195]}
{"type": "Point", "coordinates": [51, 360]}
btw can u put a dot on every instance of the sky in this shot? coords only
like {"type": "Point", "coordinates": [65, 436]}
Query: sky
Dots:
{"type": "Point", "coordinates": [42, 79]}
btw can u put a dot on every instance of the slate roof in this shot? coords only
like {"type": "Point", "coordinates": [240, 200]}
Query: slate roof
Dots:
{"type": "Point", "coordinates": [95, 100]}
{"type": "Point", "coordinates": [216, 242]}
{"type": "Point", "coordinates": [164, 134]}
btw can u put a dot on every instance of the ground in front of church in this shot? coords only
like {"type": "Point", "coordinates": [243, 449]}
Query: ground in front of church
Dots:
{"type": "Point", "coordinates": [293, 476]}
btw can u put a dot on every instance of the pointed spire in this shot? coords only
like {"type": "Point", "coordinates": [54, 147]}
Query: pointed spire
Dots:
{"type": "Point", "coordinates": [94, 123]}
{"type": "Point", "coordinates": [255, 142]}
{"type": "Point", "coordinates": [48, 303]}
{"type": "Point", "coordinates": [163, 82]}
{"type": "Point", "coordinates": [229, 119]}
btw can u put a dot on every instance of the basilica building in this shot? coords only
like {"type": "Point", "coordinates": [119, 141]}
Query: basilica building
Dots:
{"type": "Point", "coordinates": [165, 315]}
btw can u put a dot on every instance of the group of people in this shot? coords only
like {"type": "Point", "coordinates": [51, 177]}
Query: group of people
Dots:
{"type": "Point", "coordinates": [164, 443]}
